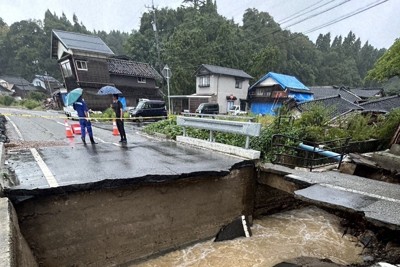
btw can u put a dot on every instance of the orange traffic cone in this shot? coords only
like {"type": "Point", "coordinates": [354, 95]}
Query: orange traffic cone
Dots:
{"type": "Point", "coordinates": [115, 129]}
{"type": "Point", "coordinates": [68, 131]}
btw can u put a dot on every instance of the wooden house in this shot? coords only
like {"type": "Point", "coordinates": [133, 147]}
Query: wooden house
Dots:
{"type": "Point", "coordinates": [87, 62]}
{"type": "Point", "coordinates": [272, 90]}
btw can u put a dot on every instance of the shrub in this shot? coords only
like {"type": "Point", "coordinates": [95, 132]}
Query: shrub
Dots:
{"type": "Point", "coordinates": [37, 96]}
{"type": "Point", "coordinates": [316, 115]}
{"type": "Point", "coordinates": [388, 127]}
{"type": "Point", "coordinates": [359, 127]}
{"type": "Point", "coordinates": [30, 104]}
{"type": "Point", "coordinates": [167, 127]}
{"type": "Point", "coordinates": [107, 115]}
{"type": "Point", "coordinates": [265, 120]}
{"type": "Point", "coordinates": [6, 100]}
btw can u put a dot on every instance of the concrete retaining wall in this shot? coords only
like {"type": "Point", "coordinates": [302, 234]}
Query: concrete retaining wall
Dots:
{"type": "Point", "coordinates": [274, 193]}
{"type": "Point", "coordinates": [115, 226]}
{"type": "Point", "coordinates": [14, 251]}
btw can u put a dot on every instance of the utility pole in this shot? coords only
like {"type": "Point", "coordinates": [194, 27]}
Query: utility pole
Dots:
{"type": "Point", "coordinates": [154, 24]}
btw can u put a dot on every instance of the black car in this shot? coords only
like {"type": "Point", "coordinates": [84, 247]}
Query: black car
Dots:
{"type": "Point", "coordinates": [149, 109]}
{"type": "Point", "coordinates": [208, 108]}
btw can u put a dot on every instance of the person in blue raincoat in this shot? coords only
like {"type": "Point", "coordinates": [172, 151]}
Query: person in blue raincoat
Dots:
{"type": "Point", "coordinates": [82, 110]}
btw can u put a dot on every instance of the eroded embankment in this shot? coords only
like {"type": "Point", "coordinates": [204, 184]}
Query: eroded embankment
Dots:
{"type": "Point", "coordinates": [112, 226]}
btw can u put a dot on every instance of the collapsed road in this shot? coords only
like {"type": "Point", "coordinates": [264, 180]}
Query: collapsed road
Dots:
{"type": "Point", "coordinates": [111, 204]}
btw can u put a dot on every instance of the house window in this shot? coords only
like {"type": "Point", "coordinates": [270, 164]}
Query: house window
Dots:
{"type": "Point", "coordinates": [141, 80]}
{"type": "Point", "coordinates": [81, 65]}
{"type": "Point", "coordinates": [66, 69]}
{"type": "Point", "coordinates": [204, 81]}
{"type": "Point", "coordinates": [263, 92]}
{"type": "Point", "coordinates": [238, 83]}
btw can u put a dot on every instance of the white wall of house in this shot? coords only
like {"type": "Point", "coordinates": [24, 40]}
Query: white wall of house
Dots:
{"type": "Point", "coordinates": [38, 82]}
{"type": "Point", "coordinates": [223, 86]}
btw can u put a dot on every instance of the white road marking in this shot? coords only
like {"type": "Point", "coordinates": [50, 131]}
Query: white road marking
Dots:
{"type": "Point", "coordinates": [15, 128]}
{"type": "Point", "coordinates": [51, 180]}
{"type": "Point", "coordinates": [361, 193]}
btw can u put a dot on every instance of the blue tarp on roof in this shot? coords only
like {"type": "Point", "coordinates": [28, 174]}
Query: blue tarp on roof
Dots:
{"type": "Point", "coordinates": [285, 81]}
{"type": "Point", "coordinates": [301, 97]}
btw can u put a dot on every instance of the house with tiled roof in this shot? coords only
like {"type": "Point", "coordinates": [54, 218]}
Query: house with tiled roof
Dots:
{"type": "Point", "coordinates": [368, 93]}
{"type": "Point", "coordinates": [87, 62]}
{"type": "Point", "coordinates": [337, 106]}
{"type": "Point", "coordinates": [18, 86]}
{"type": "Point", "coordinates": [48, 83]}
{"type": "Point", "coordinates": [382, 105]}
{"type": "Point", "coordinates": [273, 90]}
{"type": "Point", "coordinates": [328, 91]}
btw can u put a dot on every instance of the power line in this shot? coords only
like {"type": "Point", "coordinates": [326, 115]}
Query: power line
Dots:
{"type": "Point", "coordinates": [317, 14]}
{"type": "Point", "coordinates": [360, 10]}
{"type": "Point", "coordinates": [301, 13]}
{"type": "Point", "coordinates": [275, 31]}
{"type": "Point", "coordinates": [348, 15]}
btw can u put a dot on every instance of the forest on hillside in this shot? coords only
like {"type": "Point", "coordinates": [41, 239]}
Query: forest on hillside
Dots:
{"type": "Point", "coordinates": [196, 34]}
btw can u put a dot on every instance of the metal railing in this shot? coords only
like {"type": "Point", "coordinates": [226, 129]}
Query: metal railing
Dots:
{"type": "Point", "coordinates": [294, 152]}
{"type": "Point", "coordinates": [216, 116]}
{"type": "Point", "coordinates": [213, 125]}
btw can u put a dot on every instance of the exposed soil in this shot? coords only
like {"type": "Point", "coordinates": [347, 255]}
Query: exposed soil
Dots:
{"type": "Point", "coordinates": [18, 145]}
{"type": "Point", "coordinates": [379, 244]}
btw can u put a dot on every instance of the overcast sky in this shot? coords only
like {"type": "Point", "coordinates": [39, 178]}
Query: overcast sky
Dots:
{"type": "Point", "coordinates": [379, 25]}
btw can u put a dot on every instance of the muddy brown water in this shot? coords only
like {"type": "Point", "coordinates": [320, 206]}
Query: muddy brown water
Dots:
{"type": "Point", "coordinates": [306, 232]}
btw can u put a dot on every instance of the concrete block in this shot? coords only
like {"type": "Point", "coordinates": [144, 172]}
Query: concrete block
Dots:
{"type": "Point", "coordinates": [387, 160]}
{"type": "Point", "coordinates": [232, 150]}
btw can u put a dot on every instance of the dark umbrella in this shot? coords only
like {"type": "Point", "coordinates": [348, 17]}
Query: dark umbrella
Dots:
{"type": "Point", "coordinates": [73, 96]}
{"type": "Point", "coordinates": [109, 90]}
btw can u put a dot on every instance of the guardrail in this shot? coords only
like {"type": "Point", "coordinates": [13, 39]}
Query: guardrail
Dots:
{"type": "Point", "coordinates": [215, 116]}
{"type": "Point", "coordinates": [213, 125]}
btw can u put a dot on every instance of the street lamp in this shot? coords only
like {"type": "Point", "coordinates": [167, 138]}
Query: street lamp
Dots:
{"type": "Point", "coordinates": [166, 72]}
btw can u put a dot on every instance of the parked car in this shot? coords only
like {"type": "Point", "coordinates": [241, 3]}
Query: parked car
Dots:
{"type": "Point", "coordinates": [71, 113]}
{"type": "Point", "coordinates": [151, 109]}
{"type": "Point", "coordinates": [235, 110]}
{"type": "Point", "coordinates": [208, 108]}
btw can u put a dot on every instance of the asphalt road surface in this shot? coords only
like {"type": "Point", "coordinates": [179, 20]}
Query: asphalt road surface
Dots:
{"type": "Point", "coordinates": [42, 157]}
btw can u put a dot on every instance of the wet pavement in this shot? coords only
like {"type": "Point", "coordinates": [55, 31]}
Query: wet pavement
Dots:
{"type": "Point", "coordinates": [75, 166]}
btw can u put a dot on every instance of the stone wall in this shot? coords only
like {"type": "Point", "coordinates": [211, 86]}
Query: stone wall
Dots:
{"type": "Point", "coordinates": [110, 227]}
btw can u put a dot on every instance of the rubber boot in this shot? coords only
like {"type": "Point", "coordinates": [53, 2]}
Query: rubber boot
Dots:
{"type": "Point", "coordinates": [92, 140]}
{"type": "Point", "coordinates": [83, 140]}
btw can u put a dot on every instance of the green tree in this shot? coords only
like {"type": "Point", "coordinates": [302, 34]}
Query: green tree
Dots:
{"type": "Point", "coordinates": [3, 55]}
{"type": "Point", "coordinates": [268, 59]}
{"type": "Point", "coordinates": [388, 65]}
{"type": "Point", "coordinates": [323, 42]}
{"type": "Point", "coordinates": [21, 48]}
